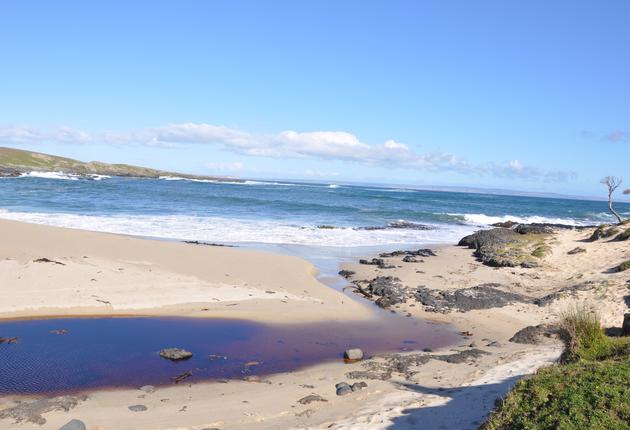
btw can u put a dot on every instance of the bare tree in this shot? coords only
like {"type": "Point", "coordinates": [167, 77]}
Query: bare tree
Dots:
{"type": "Point", "coordinates": [612, 182]}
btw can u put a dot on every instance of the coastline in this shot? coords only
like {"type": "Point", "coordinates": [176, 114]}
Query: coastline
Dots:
{"type": "Point", "coordinates": [460, 392]}
{"type": "Point", "coordinates": [122, 275]}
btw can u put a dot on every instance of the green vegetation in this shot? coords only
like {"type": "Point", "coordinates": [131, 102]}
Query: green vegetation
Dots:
{"type": "Point", "coordinates": [623, 266]}
{"type": "Point", "coordinates": [541, 250]}
{"type": "Point", "coordinates": [603, 231]}
{"type": "Point", "coordinates": [624, 235]}
{"type": "Point", "coordinates": [589, 390]}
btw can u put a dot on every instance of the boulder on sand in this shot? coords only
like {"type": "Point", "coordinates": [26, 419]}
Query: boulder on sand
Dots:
{"type": "Point", "coordinates": [73, 425]}
{"type": "Point", "coordinates": [353, 354]}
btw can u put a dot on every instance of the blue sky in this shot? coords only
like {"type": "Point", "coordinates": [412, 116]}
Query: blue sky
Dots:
{"type": "Point", "coordinates": [521, 95]}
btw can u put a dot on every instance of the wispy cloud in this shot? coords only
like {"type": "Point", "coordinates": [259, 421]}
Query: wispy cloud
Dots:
{"type": "Point", "coordinates": [617, 136]}
{"type": "Point", "coordinates": [613, 136]}
{"type": "Point", "coordinates": [325, 145]}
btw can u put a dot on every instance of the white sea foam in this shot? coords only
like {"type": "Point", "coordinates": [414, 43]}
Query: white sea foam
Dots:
{"type": "Point", "coordinates": [50, 175]}
{"type": "Point", "coordinates": [230, 230]}
{"type": "Point", "coordinates": [485, 220]}
{"type": "Point", "coordinates": [96, 177]}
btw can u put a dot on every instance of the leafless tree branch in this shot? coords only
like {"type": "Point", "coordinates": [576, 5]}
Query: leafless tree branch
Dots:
{"type": "Point", "coordinates": [612, 182]}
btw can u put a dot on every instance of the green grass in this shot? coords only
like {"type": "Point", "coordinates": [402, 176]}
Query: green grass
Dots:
{"type": "Point", "coordinates": [624, 235]}
{"type": "Point", "coordinates": [541, 251]}
{"type": "Point", "coordinates": [589, 390]}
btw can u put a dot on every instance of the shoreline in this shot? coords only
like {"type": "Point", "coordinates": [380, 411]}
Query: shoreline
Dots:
{"type": "Point", "coordinates": [430, 384]}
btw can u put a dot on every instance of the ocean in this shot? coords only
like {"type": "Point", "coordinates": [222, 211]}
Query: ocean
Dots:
{"type": "Point", "coordinates": [280, 213]}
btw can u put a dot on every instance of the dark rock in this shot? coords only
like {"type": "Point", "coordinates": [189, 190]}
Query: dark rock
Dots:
{"type": "Point", "coordinates": [504, 224]}
{"type": "Point", "coordinates": [196, 242]}
{"type": "Point", "coordinates": [532, 335]}
{"type": "Point", "coordinates": [347, 273]}
{"type": "Point", "coordinates": [358, 386]}
{"type": "Point", "coordinates": [9, 340]}
{"type": "Point", "coordinates": [311, 398]}
{"type": "Point", "coordinates": [353, 354]}
{"type": "Point", "coordinates": [73, 425]}
{"type": "Point", "coordinates": [389, 289]}
{"type": "Point", "coordinates": [47, 260]}
{"type": "Point", "coordinates": [534, 228]}
{"type": "Point", "coordinates": [424, 252]}
{"type": "Point", "coordinates": [405, 364]}
{"type": "Point", "coordinates": [379, 262]}
{"type": "Point", "coordinates": [175, 354]}
{"type": "Point", "coordinates": [529, 264]}
{"type": "Point", "coordinates": [59, 332]}
{"type": "Point", "coordinates": [409, 259]}
{"type": "Point", "coordinates": [409, 225]}
{"type": "Point", "coordinates": [461, 357]}
{"type": "Point", "coordinates": [343, 388]}
{"type": "Point", "coordinates": [137, 408]}
{"type": "Point", "coordinates": [576, 250]}
{"type": "Point", "coordinates": [32, 411]}
{"type": "Point", "coordinates": [484, 296]}
{"type": "Point", "coordinates": [625, 328]}
{"type": "Point", "coordinates": [570, 291]}
{"type": "Point", "coordinates": [498, 247]}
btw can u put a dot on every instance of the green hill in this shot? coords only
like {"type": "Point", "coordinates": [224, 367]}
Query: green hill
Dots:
{"type": "Point", "coordinates": [13, 162]}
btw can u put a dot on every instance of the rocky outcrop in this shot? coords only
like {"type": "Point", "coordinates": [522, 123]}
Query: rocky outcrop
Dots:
{"type": "Point", "coordinates": [32, 411]}
{"type": "Point", "coordinates": [570, 291]}
{"type": "Point", "coordinates": [534, 228]}
{"type": "Point", "coordinates": [533, 335]}
{"type": "Point", "coordinates": [405, 364]}
{"type": "Point", "coordinates": [424, 252]}
{"type": "Point", "coordinates": [389, 290]}
{"type": "Point", "coordinates": [378, 262]}
{"type": "Point", "coordinates": [500, 247]}
{"type": "Point", "coordinates": [484, 296]}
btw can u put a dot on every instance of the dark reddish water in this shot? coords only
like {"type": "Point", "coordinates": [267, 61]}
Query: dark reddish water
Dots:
{"type": "Point", "coordinates": [123, 352]}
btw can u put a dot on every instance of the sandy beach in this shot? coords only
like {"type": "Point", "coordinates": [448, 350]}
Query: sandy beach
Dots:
{"type": "Point", "coordinates": [89, 273]}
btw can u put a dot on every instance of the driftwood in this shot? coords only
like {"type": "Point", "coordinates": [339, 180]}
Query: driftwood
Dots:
{"type": "Point", "coordinates": [360, 290]}
{"type": "Point", "coordinates": [179, 378]}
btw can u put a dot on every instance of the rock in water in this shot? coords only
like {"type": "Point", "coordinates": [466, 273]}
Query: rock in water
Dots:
{"type": "Point", "coordinates": [353, 354]}
{"type": "Point", "coordinates": [175, 354]}
{"type": "Point", "coordinates": [73, 425]}
{"type": "Point", "coordinates": [343, 388]}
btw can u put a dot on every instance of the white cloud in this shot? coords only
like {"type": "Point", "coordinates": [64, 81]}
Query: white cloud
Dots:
{"type": "Point", "coordinates": [326, 145]}
{"type": "Point", "coordinates": [226, 166]}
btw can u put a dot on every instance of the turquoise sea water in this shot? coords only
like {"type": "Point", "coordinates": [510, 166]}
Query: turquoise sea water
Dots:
{"type": "Point", "coordinates": [276, 212]}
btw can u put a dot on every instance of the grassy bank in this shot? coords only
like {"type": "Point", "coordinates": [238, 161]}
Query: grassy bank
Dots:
{"type": "Point", "coordinates": [590, 389]}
